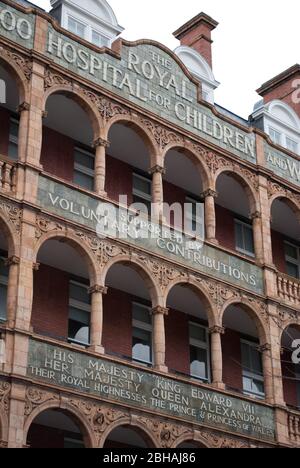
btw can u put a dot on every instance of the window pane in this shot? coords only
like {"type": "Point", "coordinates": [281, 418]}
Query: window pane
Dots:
{"type": "Point", "coordinates": [291, 145]}
{"type": "Point", "coordinates": [141, 314]}
{"type": "Point", "coordinates": [73, 444]}
{"type": "Point", "coordinates": [275, 136]}
{"type": "Point", "coordinates": [14, 129]}
{"type": "Point", "coordinates": [198, 358]}
{"type": "Point", "coordinates": [4, 270]}
{"type": "Point", "coordinates": [249, 242]}
{"type": "Point", "coordinates": [80, 316]}
{"type": "Point", "coordinates": [246, 359]}
{"type": "Point", "coordinates": [83, 180]}
{"type": "Point", "coordinates": [197, 333]}
{"type": "Point", "coordinates": [76, 27]}
{"type": "Point", "coordinates": [84, 159]}
{"type": "Point", "coordinates": [3, 301]}
{"type": "Point", "coordinates": [99, 39]}
{"type": "Point", "coordinates": [239, 236]}
{"type": "Point", "coordinates": [292, 270]}
{"type": "Point", "coordinates": [145, 204]}
{"type": "Point", "coordinates": [256, 361]}
{"type": "Point", "coordinates": [142, 185]}
{"type": "Point", "coordinates": [141, 345]}
{"type": "Point", "coordinates": [79, 293]}
{"type": "Point", "coordinates": [291, 251]}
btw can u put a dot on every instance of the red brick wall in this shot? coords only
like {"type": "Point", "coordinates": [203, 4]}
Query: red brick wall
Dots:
{"type": "Point", "coordinates": [50, 311]}
{"type": "Point", "coordinates": [232, 356]}
{"type": "Point", "coordinates": [284, 92]}
{"type": "Point", "coordinates": [117, 323]}
{"type": "Point", "coordinates": [57, 154]}
{"type": "Point", "coordinates": [289, 385]}
{"type": "Point", "coordinates": [4, 134]}
{"type": "Point", "coordinates": [173, 194]}
{"type": "Point", "coordinates": [118, 179]}
{"type": "Point", "coordinates": [278, 251]}
{"type": "Point", "coordinates": [177, 342]}
{"type": "Point", "coordinates": [203, 46]}
{"type": "Point", "coordinates": [225, 231]}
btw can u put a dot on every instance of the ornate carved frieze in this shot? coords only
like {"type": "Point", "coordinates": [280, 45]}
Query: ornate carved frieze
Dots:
{"type": "Point", "coordinates": [276, 189]}
{"type": "Point", "coordinates": [164, 432]}
{"type": "Point", "coordinates": [103, 250]}
{"type": "Point", "coordinates": [12, 213]}
{"type": "Point", "coordinates": [162, 272]}
{"type": "Point", "coordinates": [24, 64]}
{"type": "Point", "coordinates": [162, 135]}
{"type": "Point", "coordinates": [55, 79]}
{"type": "Point", "coordinates": [36, 397]}
{"type": "Point", "coordinates": [45, 225]}
{"type": "Point", "coordinates": [4, 396]}
{"type": "Point", "coordinates": [106, 107]}
{"type": "Point", "coordinates": [100, 417]}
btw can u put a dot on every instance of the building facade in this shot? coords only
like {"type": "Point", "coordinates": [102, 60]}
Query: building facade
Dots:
{"type": "Point", "coordinates": [111, 341]}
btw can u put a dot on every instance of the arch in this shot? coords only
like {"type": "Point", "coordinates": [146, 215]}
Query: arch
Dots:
{"type": "Point", "coordinates": [200, 292]}
{"type": "Point", "coordinates": [68, 410]}
{"type": "Point", "coordinates": [288, 200]}
{"type": "Point", "coordinates": [192, 439]}
{"type": "Point", "coordinates": [286, 325]}
{"type": "Point", "coordinates": [244, 182]}
{"type": "Point", "coordinates": [22, 83]}
{"type": "Point", "coordinates": [131, 423]}
{"type": "Point", "coordinates": [141, 269]}
{"type": "Point", "coordinates": [203, 170]}
{"type": "Point", "coordinates": [10, 234]}
{"type": "Point", "coordinates": [78, 246]}
{"type": "Point", "coordinates": [196, 64]}
{"type": "Point", "coordinates": [74, 93]}
{"type": "Point", "coordinates": [281, 111]}
{"type": "Point", "coordinates": [144, 133]}
{"type": "Point", "coordinates": [254, 314]}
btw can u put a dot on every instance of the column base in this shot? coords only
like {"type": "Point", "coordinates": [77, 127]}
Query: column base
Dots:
{"type": "Point", "coordinates": [97, 349]}
{"type": "Point", "coordinates": [163, 369]}
{"type": "Point", "coordinates": [102, 193]}
{"type": "Point", "coordinates": [213, 241]}
{"type": "Point", "coordinates": [219, 385]}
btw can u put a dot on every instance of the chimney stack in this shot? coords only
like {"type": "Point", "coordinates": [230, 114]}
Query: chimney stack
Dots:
{"type": "Point", "coordinates": [196, 34]}
{"type": "Point", "coordinates": [285, 87]}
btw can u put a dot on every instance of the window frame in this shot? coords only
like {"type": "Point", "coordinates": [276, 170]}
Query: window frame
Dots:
{"type": "Point", "coordinates": [148, 327]}
{"type": "Point", "coordinates": [252, 375]}
{"type": "Point", "coordinates": [138, 193]}
{"type": "Point", "coordinates": [83, 307]}
{"type": "Point", "coordinates": [83, 169]}
{"type": "Point", "coordinates": [4, 282]}
{"type": "Point", "coordinates": [201, 345]}
{"type": "Point", "coordinates": [100, 33]}
{"type": "Point", "coordinates": [244, 225]}
{"type": "Point", "coordinates": [12, 139]}
{"type": "Point", "coordinates": [82, 23]}
{"type": "Point", "coordinates": [291, 259]}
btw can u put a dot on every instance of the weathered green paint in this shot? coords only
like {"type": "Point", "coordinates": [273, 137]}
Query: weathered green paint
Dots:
{"type": "Point", "coordinates": [282, 165]}
{"type": "Point", "coordinates": [148, 76]}
{"type": "Point", "coordinates": [17, 26]}
{"type": "Point", "coordinates": [82, 209]}
{"type": "Point", "coordinates": [144, 390]}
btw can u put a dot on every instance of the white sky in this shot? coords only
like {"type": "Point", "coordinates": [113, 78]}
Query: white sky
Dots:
{"type": "Point", "coordinates": [255, 40]}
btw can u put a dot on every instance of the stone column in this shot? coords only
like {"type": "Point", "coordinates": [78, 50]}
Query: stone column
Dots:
{"type": "Point", "coordinates": [157, 191]}
{"type": "Point", "coordinates": [96, 325]}
{"type": "Point", "coordinates": [268, 372]}
{"type": "Point", "coordinates": [210, 215]}
{"type": "Point", "coordinates": [12, 289]}
{"type": "Point", "coordinates": [159, 338]}
{"type": "Point", "coordinates": [16, 416]}
{"type": "Point", "coordinates": [216, 356]}
{"type": "Point", "coordinates": [257, 235]}
{"type": "Point", "coordinates": [23, 111]}
{"type": "Point", "coordinates": [100, 166]}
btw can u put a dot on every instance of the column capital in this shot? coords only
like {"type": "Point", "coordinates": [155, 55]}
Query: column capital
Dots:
{"type": "Point", "coordinates": [14, 260]}
{"type": "Point", "coordinates": [97, 288]}
{"type": "Point", "coordinates": [217, 330]}
{"type": "Point", "coordinates": [157, 169]}
{"type": "Point", "coordinates": [209, 193]}
{"type": "Point", "coordinates": [101, 142]}
{"type": "Point", "coordinates": [255, 215]}
{"type": "Point", "coordinates": [264, 348]}
{"type": "Point", "coordinates": [44, 114]}
{"type": "Point", "coordinates": [160, 311]}
{"type": "Point", "coordinates": [24, 106]}
{"type": "Point", "coordinates": [36, 266]}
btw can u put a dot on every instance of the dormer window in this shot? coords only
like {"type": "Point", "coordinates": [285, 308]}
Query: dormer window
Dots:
{"type": "Point", "coordinates": [76, 27]}
{"type": "Point", "coordinates": [291, 145]}
{"type": "Point", "coordinates": [99, 39]}
{"type": "Point", "coordinates": [275, 136]}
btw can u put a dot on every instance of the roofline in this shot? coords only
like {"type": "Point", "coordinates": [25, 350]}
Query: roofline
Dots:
{"type": "Point", "coordinates": [274, 82]}
{"type": "Point", "coordinates": [194, 22]}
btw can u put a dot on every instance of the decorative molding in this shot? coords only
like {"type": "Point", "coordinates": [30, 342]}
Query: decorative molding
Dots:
{"type": "Point", "coordinates": [165, 433]}
{"type": "Point", "coordinates": [104, 251]}
{"type": "Point", "coordinates": [24, 64]}
{"type": "Point", "coordinates": [276, 189]}
{"type": "Point", "coordinates": [162, 135]}
{"type": "Point", "coordinates": [98, 289]}
{"type": "Point", "coordinates": [54, 79]}
{"type": "Point", "coordinates": [210, 193]}
{"type": "Point", "coordinates": [160, 311]}
{"type": "Point", "coordinates": [101, 142]}
{"type": "Point", "coordinates": [13, 214]}
{"type": "Point", "coordinates": [162, 272]}
{"type": "Point", "coordinates": [36, 397]}
{"type": "Point", "coordinates": [99, 417]}
{"type": "Point", "coordinates": [45, 225]}
{"type": "Point", "coordinates": [213, 440]}
{"type": "Point", "coordinates": [217, 330]}
{"type": "Point", "coordinates": [157, 169]}
{"type": "Point", "coordinates": [4, 396]}
{"type": "Point", "coordinates": [106, 107]}
{"type": "Point", "coordinates": [14, 260]}
{"type": "Point", "coordinates": [24, 107]}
